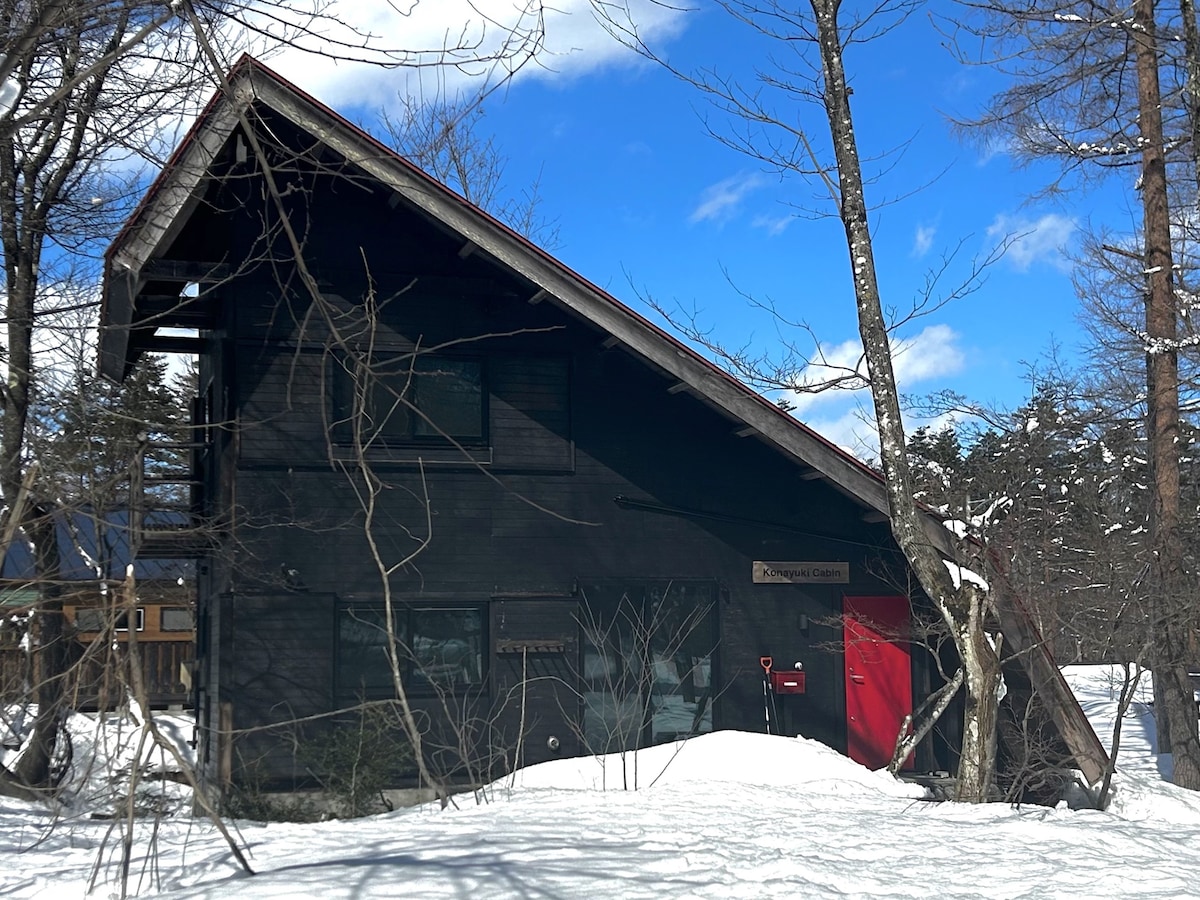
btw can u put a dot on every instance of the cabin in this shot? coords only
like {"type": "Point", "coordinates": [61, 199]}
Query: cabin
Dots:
{"type": "Point", "coordinates": [95, 550]}
{"type": "Point", "coordinates": [415, 425]}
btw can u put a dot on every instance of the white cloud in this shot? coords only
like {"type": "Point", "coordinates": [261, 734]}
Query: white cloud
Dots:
{"type": "Point", "coordinates": [852, 430]}
{"type": "Point", "coordinates": [720, 201]}
{"type": "Point", "coordinates": [1034, 241]}
{"type": "Point", "coordinates": [923, 239]}
{"type": "Point", "coordinates": [992, 148]}
{"type": "Point", "coordinates": [844, 416]}
{"type": "Point", "coordinates": [401, 35]}
{"type": "Point", "coordinates": [933, 353]}
{"type": "Point", "coordinates": [773, 225]}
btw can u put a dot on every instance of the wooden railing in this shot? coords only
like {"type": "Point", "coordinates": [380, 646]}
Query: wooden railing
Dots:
{"type": "Point", "coordinates": [96, 677]}
{"type": "Point", "coordinates": [166, 529]}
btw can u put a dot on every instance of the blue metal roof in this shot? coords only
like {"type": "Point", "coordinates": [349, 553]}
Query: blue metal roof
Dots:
{"type": "Point", "coordinates": [88, 540]}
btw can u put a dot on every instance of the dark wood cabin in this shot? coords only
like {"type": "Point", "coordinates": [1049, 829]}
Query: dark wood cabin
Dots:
{"type": "Point", "coordinates": [590, 536]}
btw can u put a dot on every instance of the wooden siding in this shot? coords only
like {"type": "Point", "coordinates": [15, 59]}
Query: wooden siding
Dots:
{"type": "Point", "coordinates": [536, 666]}
{"type": "Point", "coordinates": [546, 531]}
{"type": "Point", "coordinates": [283, 647]}
{"type": "Point", "coordinates": [571, 427]}
{"type": "Point", "coordinates": [530, 414]}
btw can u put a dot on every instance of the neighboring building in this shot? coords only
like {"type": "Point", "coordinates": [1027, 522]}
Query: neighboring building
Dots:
{"type": "Point", "coordinates": [94, 550]}
{"type": "Point", "coordinates": [591, 535]}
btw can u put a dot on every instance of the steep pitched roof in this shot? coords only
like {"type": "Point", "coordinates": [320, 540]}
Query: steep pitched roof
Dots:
{"type": "Point", "coordinates": [131, 266]}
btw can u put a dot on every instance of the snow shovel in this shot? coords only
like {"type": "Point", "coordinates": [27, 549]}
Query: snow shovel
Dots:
{"type": "Point", "coordinates": [766, 662]}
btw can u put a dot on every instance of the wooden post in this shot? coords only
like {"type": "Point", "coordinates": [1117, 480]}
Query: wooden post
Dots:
{"type": "Point", "coordinates": [225, 745]}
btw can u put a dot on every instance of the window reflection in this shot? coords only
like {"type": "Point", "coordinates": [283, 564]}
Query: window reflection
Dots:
{"type": "Point", "coordinates": [436, 647]}
{"type": "Point", "coordinates": [647, 662]}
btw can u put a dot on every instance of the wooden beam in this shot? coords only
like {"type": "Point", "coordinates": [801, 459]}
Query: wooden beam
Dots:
{"type": "Point", "coordinates": [185, 271]}
{"type": "Point", "coordinates": [746, 431]}
{"type": "Point", "coordinates": [120, 287]}
{"type": "Point", "coordinates": [179, 315]}
{"type": "Point", "coordinates": [678, 387]}
{"type": "Point", "coordinates": [811, 475]}
{"type": "Point", "coordinates": [874, 517]}
{"type": "Point", "coordinates": [1023, 641]}
{"type": "Point", "coordinates": [178, 190]}
{"type": "Point", "coordinates": [171, 343]}
{"type": "Point", "coordinates": [466, 250]}
{"type": "Point", "coordinates": [609, 342]}
{"type": "Point", "coordinates": [538, 297]}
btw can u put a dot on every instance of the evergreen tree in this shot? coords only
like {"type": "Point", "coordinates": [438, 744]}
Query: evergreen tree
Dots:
{"type": "Point", "coordinates": [92, 430]}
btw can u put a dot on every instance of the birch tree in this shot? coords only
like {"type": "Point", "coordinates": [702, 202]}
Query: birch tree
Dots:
{"type": "Point", "coordinates": [782, 140]}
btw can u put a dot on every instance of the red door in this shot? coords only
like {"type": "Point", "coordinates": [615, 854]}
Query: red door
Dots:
{"type": "Point", "coordinates": [878, 677]}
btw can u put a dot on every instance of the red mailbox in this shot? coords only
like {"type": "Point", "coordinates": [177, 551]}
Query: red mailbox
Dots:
{"type": "Point", "coordinates": [787, 682]}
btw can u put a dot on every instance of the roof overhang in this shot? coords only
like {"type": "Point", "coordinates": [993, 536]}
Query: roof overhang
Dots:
{"type": "Point", "coordinates": [175, 194]}
{"type": "Point", "coordinates": [163, 212]}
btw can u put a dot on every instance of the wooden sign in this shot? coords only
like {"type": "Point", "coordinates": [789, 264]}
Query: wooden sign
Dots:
{"type": "Point", "coordinates": [801, 572]}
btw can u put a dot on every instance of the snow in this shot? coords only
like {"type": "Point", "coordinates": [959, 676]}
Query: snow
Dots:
{"type": "Point", "coordinates": [957, 526]}
{"type": "Point", "coordinates": [959, 574]}
{"type": "Point", "coordinates": [727, 815]}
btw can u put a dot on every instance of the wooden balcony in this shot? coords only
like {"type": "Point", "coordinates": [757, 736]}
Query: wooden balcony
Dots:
{"type": "Point", "coordinates": [97, 676]}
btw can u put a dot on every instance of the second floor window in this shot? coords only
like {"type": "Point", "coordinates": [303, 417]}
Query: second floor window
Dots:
{"type": "Point", "coordinates": [426, 399]}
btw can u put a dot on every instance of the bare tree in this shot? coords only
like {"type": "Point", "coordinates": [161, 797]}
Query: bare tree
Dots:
{"type": "Point", "coordinates": [776, 136]}
{"type": "Point", "coordinates": [98, 82]}
{"type": "Point", "coordinates": [646, 669]}
{"type": "Point", "coordinates": [58, 185]}
{"type": "Point", "coordinates": [1088, 89]}
{"type": "Point", "coordinates": [446, 138]}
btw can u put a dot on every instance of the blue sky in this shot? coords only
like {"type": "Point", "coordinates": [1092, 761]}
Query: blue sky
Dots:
{"type": "Point", "coordinates": [646, 203]}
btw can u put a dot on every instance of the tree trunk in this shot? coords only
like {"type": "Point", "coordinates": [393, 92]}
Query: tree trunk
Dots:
{"type": "Point", "coordinates": [22, 256]}
{"type": "Point", "coordinates": [963, 606]}
{"type": "Point", "coordinates": [50, 659]}
{"type": "Point", "coordinates": [1171, 610]}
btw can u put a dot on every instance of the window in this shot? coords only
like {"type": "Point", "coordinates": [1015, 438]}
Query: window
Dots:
{"type": "Point", "coordinates": [439, 648]}
{"type": "Point", "coordinates": [176, 618]}
{"type": "Point", "coordinates": [648, 661]}
{"type": "Point", "coordinates": [95, 620]}
{"type": "Point", "coordinates": [448, 393]}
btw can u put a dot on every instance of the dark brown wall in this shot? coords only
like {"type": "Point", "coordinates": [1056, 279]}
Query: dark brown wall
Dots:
{"type": "Point", "coordinates": [572, 426]}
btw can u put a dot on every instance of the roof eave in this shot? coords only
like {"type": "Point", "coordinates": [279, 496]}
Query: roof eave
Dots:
{"type": "Point", "coordinates": [160, 216]}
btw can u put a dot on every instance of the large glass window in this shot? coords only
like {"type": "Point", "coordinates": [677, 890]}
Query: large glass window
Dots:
{"type": "Point", "coordinates": [421, 399]}
{"type": "Point", "coordinates": [438, 648]}
{"type": "Point", "coordinates": [648, 650]}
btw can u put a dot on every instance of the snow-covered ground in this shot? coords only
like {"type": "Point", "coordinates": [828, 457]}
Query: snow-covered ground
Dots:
{"type": "Point", "coordinates": [727, 815]}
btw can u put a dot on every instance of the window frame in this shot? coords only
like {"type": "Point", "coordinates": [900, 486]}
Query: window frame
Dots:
{"type": "Point", "coordinates": [408, 373]}
{"type": "Point", "coordinates": [416, 684]}
{"type": "Point", "coordinates": [120, 623]}
{"type": "Point", "coordinates": [635, 678]}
